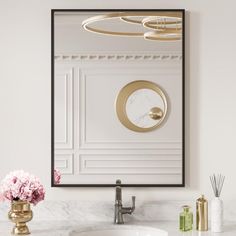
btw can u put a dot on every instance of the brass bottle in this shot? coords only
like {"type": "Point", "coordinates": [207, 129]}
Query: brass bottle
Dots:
{"type": "Point", "coordinates": [202, 214]}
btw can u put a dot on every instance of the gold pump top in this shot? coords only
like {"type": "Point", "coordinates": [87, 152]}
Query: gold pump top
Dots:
{"type": "Point", "coordinates": [202, 199]}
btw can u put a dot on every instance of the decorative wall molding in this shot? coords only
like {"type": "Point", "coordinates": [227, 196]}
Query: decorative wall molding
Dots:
{"type": "Point", "coordinates": [67, 75]}
{"type": "Point", "coordinates": [141, 164]}
{"type": "Point", "coordinates": [64, 163]}
{"type": "Point", "coordinates": [107, 144]}
{"type": "Point", "coordinates": [93, 155]}
{"type": "Point", "coordinates": [118, 57]}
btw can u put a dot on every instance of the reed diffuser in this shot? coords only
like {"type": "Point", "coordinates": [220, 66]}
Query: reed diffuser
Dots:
{"type": "Point", "coordinates": [217, 182]}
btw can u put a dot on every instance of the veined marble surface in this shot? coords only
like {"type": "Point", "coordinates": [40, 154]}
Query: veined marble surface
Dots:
{"type": "Point", "coordinates": [139, 105]}
{"type": "Point", "coordinates": [61, 218]}
{"type": "Point", "coordinates": [86, 211]}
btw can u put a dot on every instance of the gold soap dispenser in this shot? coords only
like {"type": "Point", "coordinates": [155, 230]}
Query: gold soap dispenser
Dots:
{"type": "Point", "coordinates": [202, 214]}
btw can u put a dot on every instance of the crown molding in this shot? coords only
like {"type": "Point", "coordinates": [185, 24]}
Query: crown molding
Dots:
{"type": "Point", "coordinates": [118, 57]}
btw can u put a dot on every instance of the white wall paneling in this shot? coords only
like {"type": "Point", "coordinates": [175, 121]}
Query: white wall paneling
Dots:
{"type": "Point", "coordinates": [64, 163]}
{"type": "Point", "coordinates": [102, 145]}
{"type": "Point", "coordinates": [63, 107]}
{"type": "Point", "coordinates": [140, 164]}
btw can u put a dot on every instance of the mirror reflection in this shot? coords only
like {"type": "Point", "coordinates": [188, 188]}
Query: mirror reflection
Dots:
{"type": "Point", "coordinates": [118, 97]}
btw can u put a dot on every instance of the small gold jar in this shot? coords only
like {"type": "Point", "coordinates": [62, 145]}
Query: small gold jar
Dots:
{"type": "Point", "coordinates": [20, 213]}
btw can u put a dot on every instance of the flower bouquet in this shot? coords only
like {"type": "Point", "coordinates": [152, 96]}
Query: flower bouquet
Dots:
{"type": "Point", "coordinates": [21, 189]}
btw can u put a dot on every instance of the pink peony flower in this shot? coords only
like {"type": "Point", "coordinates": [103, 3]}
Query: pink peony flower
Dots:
{"type": "Point", "coordinates": [57, 176]}
{"type": "Point", "coordinates": [20, 185]}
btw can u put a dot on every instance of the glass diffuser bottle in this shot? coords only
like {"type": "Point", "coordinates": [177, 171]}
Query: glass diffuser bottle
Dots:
{"type": "Point", "coordinates": [186, 219]}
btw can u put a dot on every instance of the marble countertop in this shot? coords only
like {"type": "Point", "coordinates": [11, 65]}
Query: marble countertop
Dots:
{"type": "Point", "coordinates": [61, 218]}
{"type": "Point", "coordinates": [65, 228]}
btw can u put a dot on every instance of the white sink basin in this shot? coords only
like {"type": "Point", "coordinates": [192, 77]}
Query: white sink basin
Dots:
{"type": "Point", "coordinates": [121, 231]}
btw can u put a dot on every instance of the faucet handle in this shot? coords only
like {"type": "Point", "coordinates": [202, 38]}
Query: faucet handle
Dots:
{"type": "Point", "coordinates": [133, 203]}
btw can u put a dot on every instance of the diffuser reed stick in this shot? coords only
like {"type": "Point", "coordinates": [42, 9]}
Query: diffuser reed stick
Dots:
{"type": "Point", "coordinates": [217, 182]}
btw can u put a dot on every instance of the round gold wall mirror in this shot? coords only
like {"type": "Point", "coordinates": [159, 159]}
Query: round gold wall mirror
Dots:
{"type": "Point", "coordinates": [141, 106]}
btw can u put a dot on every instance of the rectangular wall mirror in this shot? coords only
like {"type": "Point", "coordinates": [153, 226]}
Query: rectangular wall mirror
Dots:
{"type": "Point", "coordinates": [118, 97]}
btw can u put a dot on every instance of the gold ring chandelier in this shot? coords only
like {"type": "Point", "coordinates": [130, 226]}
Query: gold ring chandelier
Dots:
{"type": "Point", "coordinates": [161, 26]}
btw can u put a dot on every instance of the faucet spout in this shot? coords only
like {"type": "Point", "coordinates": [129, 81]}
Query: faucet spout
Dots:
{"type": "Point", "coordinates": [118, 191]}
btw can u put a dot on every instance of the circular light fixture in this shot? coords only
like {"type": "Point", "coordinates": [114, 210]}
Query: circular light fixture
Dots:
{"type": "Point", "coordinates": [86, 24]}
{"type": "Point", "coordinates": [154, 35]}
{"type": "Point", "coordinates": [167, 25]}
{"type": "Point", "coordinates": [169, 15]}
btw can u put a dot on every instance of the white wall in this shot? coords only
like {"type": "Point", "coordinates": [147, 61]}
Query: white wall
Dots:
{"type": "Point", "coordinates": [210, 93]}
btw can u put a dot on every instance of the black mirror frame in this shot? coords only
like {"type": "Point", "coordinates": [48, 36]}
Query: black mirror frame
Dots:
{"type": "Point", "coordinates": [53, 11]}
